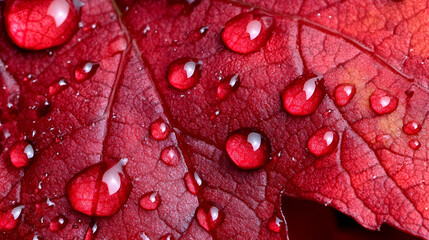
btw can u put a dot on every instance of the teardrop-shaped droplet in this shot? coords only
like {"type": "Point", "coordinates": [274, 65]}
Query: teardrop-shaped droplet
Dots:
{"type": "Point", "coordinates": [170, 156]}
{"type": "Point", "coordinates": [41, 24]}
{"type": "Point", "coordinates": [99, 190]}
{"type": "Point", "coordinates": [159, 130]}
{"type": "Point", "coordinates": [304, 95]}
{"type": "Point", "coordinates": [323, 141]}
{"type": "Point", "coordinates": [200, 33]}
{"type": "Point", "coordinates": [9, 218]}
{"type": "Point", "coordinates": [167, 237]}
{"type": "Point", "coordinates": [57, 87]}
{"type": "Point", "coordinates": [184, 73]}
{"type": "Point", "coordinates": [248, 149]}
{"type": "Point", "coordinates": [382, 102]}
{"type": "Point", "coordinates": [247, 32]}
{"type": "Point", "coordinates": [58, 223]}
{"type": "Point", "coordinates": [92, 230]}
{"type": "Point", "coordinates": [228, 85]}
{"type": "Point", "coordinates": [414, 144]}
{"type": "Point", "coordinates": [150, 201]}
{"type": "Point", "coordinates": [412, 127]}
{"type": "Point", "coordinates": [209, 216]}
{"type": "Point", "coordinates": [275, 224]}
{"type": "Point", "coordinates": [21, 154]}
{"type": "Point", "coordinates": [343, 93]}
{"type": "Point", "coordinates": [85, 70]}
{"type": "Point", "coordinates": [193, 182]}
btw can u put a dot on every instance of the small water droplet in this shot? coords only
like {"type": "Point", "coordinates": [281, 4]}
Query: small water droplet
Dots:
{"type": "Point", "coordinates": [412, 127]}
{"type": "Point", "coordinates": [303, 95]}
{"type": "Point", "coordinates": [228, 85]}
{"type": "Point", "coordinates": [184, 73]}
{"type": "Point", "coordinates": [57, 87]}
{"type": "Point", "coordinates": [248, 149]}
{"type": "Point", "coordinates": [323, 141]}
{"type": "Point", "coordinates": [414, 144]}
{"type": "Point", "coordinates": [159, 129]}
{"type": "Point", "coordinates": [193, 182]}
{"type": "Point", "coordinates": [85, 70]}
{"type": "Point", "coordinates": [247, 32]}
{"type": "Point", "coordinates": [150, 201]}
{"type": "Point", "coordinates": [209, 216]}
{"type": "Point", "coordinates": [275, 224]}
{"type": "Point", "coordinates": [9, 218]}
{"type": "Point", "coordinates": [21, 153]}
{"type": "Point", "coordinates": [170, 156]}
{"type": "Point", "coordinates": [58, 223]}
{"type": "Point", "coordinates": [343, 93]}
{"type": "Point", "coordinates": [382, 102]}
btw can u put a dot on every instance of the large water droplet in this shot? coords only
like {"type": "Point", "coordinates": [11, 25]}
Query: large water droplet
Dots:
{"type": "Point", "coordinates": [58, 223]}
{"type": "Point", "coordinates": [85, 70]}
{"type": "Point", "coordinates": [304, 95]}
{"type": "Point", "coordinates": [275, 224]}
{"type": "Point", "coordinates": [57, 87]}
{"type": "Point", "coordinates": [150, 201]}
{"type": "Point", "coordinates": [193, 182]}
{"type": "Point", "coordinates": [170, 156]}
{"type": "Point", "coordinates": [99, 190]}
{"type": "Point", "coordinates": [323, 141]}
{"type": "Point", "coordinates": [228, 85]}
{"type": "Point", "coordinates": [343, 93]}
{"type": "Point", "coordinates": [209, 216]}
{"type": "Point", "coordinates": [382, 102]}
{"type": "Point", "coordinates": [21, 153]}
{"type": "Point", "coordinates": [414, 144]}
{"type": "Point", "coordinates": [248, 149]}
{"type": "Point", "coordinates": [27, 30]}
{"type": "Point", "coordinates": [159, 130]}
{"type": "Point", "coordinates": [412, 127]}
{"type": "Point", "coordinates": [9, 218]}
{"type": "Point", "coordinates": [184, 73]}
{"type": "Point", "coordinates": [247, 32]}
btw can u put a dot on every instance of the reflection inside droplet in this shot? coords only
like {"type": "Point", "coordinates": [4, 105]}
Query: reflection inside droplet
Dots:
{"type": "Point", "coordinates": [189, 68]}
{"type": "Point", "coordinates": [59, 10]}
{"type": "Point", "coordinates": [254, 28]}
{"type": "Point", "coordinates": [254, 139]}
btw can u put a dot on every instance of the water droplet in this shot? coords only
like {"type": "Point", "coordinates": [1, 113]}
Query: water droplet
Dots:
{"type": "Point", "coordinates": [9, 217]}
{"type": "Point", "coordinates": [170, 156]}
{"type": "Point", "coordinates": [159, 130]}
{"type": "Point", "coordinates": [85, 70]}
{"type": "Point", "coordinates": [414, 144]}
{"type": "Point", "coordinates": [184, 73]}
{"type": "Point", "coordinates": [343, 93]}
{"type": "Point", "coordinates": [57, 87]}
{"type": "Point", "coordinates": [193, 182]}
{"type": "Point", "coordinates": [275, 224]}
{"type": "Point", "coordinates": [37, 237]}
{"type": "Point", "coordinates": [60, 22]}
{"type": "Point", "coordinates": [247, 32]}
{"type": "Point", "coordinates": [412, 127]}
{"type": "Point", "coordinates": [227, 85]}
{"type": "Point", "coordinates": [382, 102]}
{"type": "Point", "coordinates": [92, 230]}
{"type": "Point", "coordinates": [167, 237]}
{"type": "Point", "coordinates": [99, 190]}
{"type": "Point", "coordinates": [58, 223]}
{"type": "Point", "coordinates": [21, 153]}
{"type": "Point", "coordinates": [323, 141]}
{"type": "Point", "coordinates": [248, 149]}
{"type": "Point", "coordinates": [150, 201]}
{"type": "Point", "coordinates": [209, 216]}
{"type": "Point", "coordinates": [304, 95]}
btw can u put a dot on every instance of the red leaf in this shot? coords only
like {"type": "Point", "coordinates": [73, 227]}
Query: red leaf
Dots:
{"type": "Point", "coordinates": [333, 99]}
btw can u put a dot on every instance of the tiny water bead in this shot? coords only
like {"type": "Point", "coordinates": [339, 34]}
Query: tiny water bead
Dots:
{"type": "Point", "coordinates": [209, 216]}
{"type": "Point", "coordinates": [57, 87]}
{"type": "Point", "coordinates": [248, 149]}
{"type": "Point", "coordinates": [414, 144]}
{"type": "Point", "coordinates": [247, 32]}
{"type": "Point", "coordinates": [303, 95]}
{"type": "Point", "coordinates": [58, 223]}
{"type": "Point", "coordinates": [412, 127]}
{"type": "Point", "coordinates": [275, 224]}
{"type": "Point", "coordinates": [170, 156]}
{"type": "Point", "coordinates": [150, 201]}
{"type": "Point", "coordinates": [193, 182]}
{"type": "Point", "coordinates": [227, 85]}
{"type": "Point", "coordinates": [42, 24]}
{"type": "Point", "coordinates": [100, 189]}
{"type": "Point", "coordinates": [323, 141]}
{"type": "Point", "coordinates": [382, 102]}
{"type": "Point", "coordinates": [184, 73]}
{"type": "Point", "coordinates": [343, 93]}
{"type": "Point", "coordinates": [9, 218]}
{"type": "Point", "coordinates": [159, 130]}
{"type": "Point", "coordinates": [85, 70]}
{"type": "Point", "coordinates": [21, 153]}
